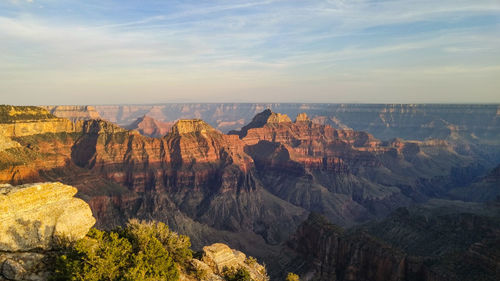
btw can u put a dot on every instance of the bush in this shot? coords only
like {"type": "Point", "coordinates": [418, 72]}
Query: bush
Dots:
{"type": "Point", "coordinates": [292, 277]}
{"type": "Point", "coordinates": [240, 274]}
{"type": "Point", "coordinates": [141, 251]}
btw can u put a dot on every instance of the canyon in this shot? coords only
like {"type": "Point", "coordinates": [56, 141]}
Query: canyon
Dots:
{"type": "Point", "coordinates": [254, 187]}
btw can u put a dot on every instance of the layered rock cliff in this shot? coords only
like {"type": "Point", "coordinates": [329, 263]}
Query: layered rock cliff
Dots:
{"type": "Point", "coordinates": [442, 241]}
{"type": "Point", "coordinates": [384, 121]}
{"type": "Point", "coordinates": [20, 121]}
{"type": "Point", "coordinates": [485, 189]}
{"type": "Point", "coordinates": [73, 112]}
{"type": "Point", "coordinates": [347, 175]}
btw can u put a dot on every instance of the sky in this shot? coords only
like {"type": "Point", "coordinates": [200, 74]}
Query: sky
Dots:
{"type": "Point", "coordinates": [334, 51]}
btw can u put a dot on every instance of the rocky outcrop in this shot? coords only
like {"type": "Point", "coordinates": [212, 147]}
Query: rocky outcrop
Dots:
{"type": "Point", "coordinates": [191, 126]}
{"type": "Point", "coordinates": [19, 121]}
{"type": "Point", "coordinates": [150, 127]}
{"type": "Point", "coordinates": [73, 112]}
{"type": "Point", "coordinates": [219, 257]}
{"type": "Point", "coordinates": [32, 216]}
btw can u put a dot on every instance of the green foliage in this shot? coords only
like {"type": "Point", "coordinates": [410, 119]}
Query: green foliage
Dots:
{"type": "Point", "coordinates": [141, 251]}
{"type": "Point", "coordinates": [240, 274]}
{"type": "Point", "coordinates": [292, 277]}
{"type": "Point", "coordinates": [11, 114]}
{"type": "Point", "coordinates": [179, 246]}
{"type": "Point", "coordinates": [250, 260]}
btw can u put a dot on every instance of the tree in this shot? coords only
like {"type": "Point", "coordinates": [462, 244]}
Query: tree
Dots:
{"type": "Point", "coordinates": [140, 251]}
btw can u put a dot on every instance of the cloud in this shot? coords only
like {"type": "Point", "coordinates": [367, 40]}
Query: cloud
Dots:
{"type": "Point", "coordinates": [249, 44]}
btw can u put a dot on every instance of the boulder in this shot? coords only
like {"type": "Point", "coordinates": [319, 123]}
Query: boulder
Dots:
{"type": "Point", "coordinates": [33, 216]}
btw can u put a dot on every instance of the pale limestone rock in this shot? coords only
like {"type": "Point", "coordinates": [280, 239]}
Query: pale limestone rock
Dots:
{"type": "Point", "coordinates": [191, 126]}
{"type": "Point", "coordinates": [218, 256]}
{"type": "Point", "coordinates": [278, 118]}
{"type": "Point", "coordinates": [6, 143]}
{"type": "Point", "coordinates": [302, 117]}
{"type": "Point", "coordinates": [34, 215]}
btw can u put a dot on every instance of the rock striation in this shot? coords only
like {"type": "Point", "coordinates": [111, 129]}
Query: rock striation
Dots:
{"type": "Point", "coordinates": [218, 257]}
{"type": "Point", "coordinates": [32, 216]}
{"type": "Point", "coordinates": [73, 112]}
{"type": "Point", "coordinates": [19, 121]}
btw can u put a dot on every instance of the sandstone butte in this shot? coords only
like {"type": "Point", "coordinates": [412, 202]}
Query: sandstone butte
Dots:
{"type": "Point", "coordinates": [32, 216]}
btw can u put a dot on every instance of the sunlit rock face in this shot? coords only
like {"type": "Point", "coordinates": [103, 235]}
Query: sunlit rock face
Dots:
{"type": "Point", "coordinates": [34, 215]}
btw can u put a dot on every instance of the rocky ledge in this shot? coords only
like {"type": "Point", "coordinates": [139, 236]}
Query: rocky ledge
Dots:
{"type": "Point", "coordinates": [219, 257]}
{"type": "Point", "coordinates": [33, 215]}
{"type": "Point", "coordinates": [32, 218]}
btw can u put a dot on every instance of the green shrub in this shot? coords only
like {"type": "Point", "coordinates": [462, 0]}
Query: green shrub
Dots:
{"type": "Point", "coordinates": [240, 274]}
{"type": "Point", "coordinates": [140, 251]}
{"type": "Point", "coordinates": [179, 246]}
{"type": "Point", "coordinates": [99, 256]}
{"type": "Point", "coordinates": [292, 277]}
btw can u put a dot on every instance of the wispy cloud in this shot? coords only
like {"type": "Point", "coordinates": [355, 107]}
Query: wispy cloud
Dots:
{"type": "Point", "coordinates": [250, 44]}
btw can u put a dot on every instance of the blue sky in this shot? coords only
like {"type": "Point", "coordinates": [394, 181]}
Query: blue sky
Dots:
{"type": "Point", "coordinates": [384, 51]}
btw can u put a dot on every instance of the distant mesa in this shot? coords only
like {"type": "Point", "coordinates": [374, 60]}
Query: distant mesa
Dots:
{"type": "Point", "coordinates": [73, 112]}
{"type": "Point", "coordinates": [187, 126]}
{"type": "Point", "coordinates": [150, 127]}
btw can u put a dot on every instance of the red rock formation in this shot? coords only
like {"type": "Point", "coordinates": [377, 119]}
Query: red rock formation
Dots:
{"type": "Point", "coordinates": [150, 127]}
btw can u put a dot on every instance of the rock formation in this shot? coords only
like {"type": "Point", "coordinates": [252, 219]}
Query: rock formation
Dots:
{"type": "Point", "coordinates": [218, 257]}
{"type": "Point", "coordinates": [484, 189]}
{"type": "Point", "coordinates": [73, 112]}
{"type": "Point", "coordinates": [33, 217]}
{"type": "Point", "coordinates": [19, 121]}
{"type": "Point", "coordinates": [150, 127]}
{"type": "Point", "coordinates": [250, 190]}
{"type": "Point", "coordinates": [439, 242]}
{"type": "Point", "coordinates": [358, 176]}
